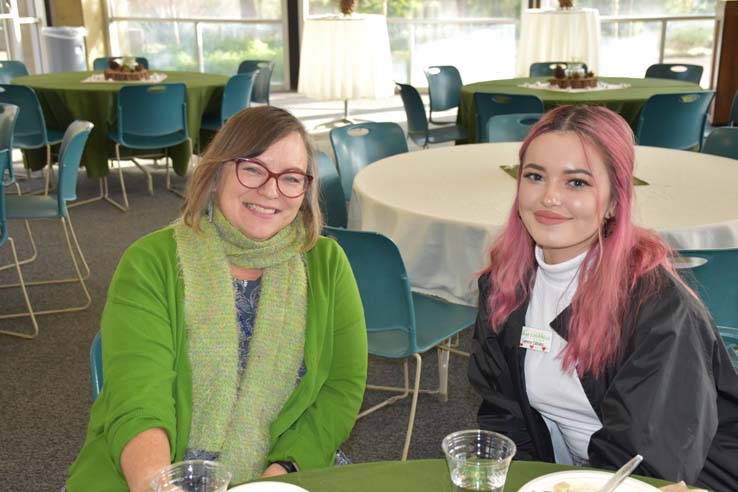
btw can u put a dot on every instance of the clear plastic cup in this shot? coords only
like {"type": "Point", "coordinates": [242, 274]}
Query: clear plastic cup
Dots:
{"type": "Point", "coordinates": [192, 476]}
{"type": "Point", "coordinates": [478, 459]}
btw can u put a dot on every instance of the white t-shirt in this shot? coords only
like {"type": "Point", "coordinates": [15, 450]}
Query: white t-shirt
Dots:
{"type": "Point", "coordinates": [557, 394]}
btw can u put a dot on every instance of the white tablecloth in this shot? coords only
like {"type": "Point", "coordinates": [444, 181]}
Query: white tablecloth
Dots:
{"type": "Point", "coordinates": [443, 206]}
{"type": "Point", "coordinates": [559, 35]}
{"type": "Point", "coordinates": [346, 57]}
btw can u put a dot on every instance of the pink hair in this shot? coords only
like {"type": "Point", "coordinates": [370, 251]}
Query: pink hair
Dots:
{"type": "Point", "coordinates": [622, 254]}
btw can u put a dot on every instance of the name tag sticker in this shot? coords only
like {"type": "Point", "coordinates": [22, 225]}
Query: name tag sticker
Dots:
{"type": "Point", "coordinates": [536, 339]}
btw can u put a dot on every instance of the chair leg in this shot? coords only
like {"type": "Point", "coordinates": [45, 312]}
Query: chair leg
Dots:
{"type": "Point", "coordinates": [30, 312]}
{"type": "Point", "coordinates": [168, 175]}
{"type": "Point", "coordinates": [413, 407]}
{"type": "Point", "coordinates": [33, 257]}
{"type": "Point", "coordinates": [149, 179]}
{"type": "Point", "coordinates": [106, 191]}
{"type": "Point", "coordinates": [443, 356]}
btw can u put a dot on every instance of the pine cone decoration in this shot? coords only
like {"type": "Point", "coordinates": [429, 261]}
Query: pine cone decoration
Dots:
{"type": "Point", "coordinates": [347, 6]}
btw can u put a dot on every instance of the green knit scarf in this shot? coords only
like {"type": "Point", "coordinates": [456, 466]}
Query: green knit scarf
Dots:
{"type": "Point", "coordinates": [231, 417]}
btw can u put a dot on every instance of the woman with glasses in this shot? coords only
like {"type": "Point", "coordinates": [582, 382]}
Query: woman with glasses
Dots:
{"type": "Point", "coordinates": [236, 334]}
{"type": "Point", "coordinates": [589, 348]}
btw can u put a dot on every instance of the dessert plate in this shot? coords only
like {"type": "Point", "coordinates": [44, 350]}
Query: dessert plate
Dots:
{"type": "Point", "coordinates": [582, 481]}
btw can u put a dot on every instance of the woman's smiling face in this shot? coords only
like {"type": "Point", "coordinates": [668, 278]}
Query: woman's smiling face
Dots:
{"type": "Point", "coordinates": [564, 194]}
{"type": "Point", "coordinates": [262, 212]}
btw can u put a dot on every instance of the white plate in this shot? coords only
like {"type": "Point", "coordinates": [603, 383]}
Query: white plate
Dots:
{"type": "Point", "coordinates": [267, 487]}
{"type": "Point", "coordinates": [596, 479]}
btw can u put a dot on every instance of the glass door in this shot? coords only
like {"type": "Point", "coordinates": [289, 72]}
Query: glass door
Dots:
{"type": "Point", "coordinates": [20, 32]}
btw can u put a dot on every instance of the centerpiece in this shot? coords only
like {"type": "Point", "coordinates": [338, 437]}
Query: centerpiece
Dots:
{"type": "Point", "coordinates": [125, 68]}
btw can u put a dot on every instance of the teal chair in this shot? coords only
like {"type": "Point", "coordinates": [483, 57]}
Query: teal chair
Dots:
{"type": "Point", "coordinates": [713, 275]}
{"type": "Point", "coordinates": [487, 105]}
{"type": "Point", "coordinates": [8, 117]}
{"type": "Point", "coordinates": [546, 69]}
{"type": "Point", "coordinates": [332, 199]}
{"type": "Point", "coordinates": [675, 71]}
{"type": "Point", "coordinates": [357, 146]}
{"type": "Point", "coordinates": [734, 111]}
{"type": "Point", "coordinates": [263, 80]}
{"type": "Point", "coordinates": [236, 97]}
{"type": "Point", "coordinates": [722, 141]}
{"type": "Point", "coordinates": [401, 324]}
{"type": "Point", "coordinates": [444, 89]}
{"type": "Point", "coordinates": [10, 69]}
{"type": "Point", "coordinates": [730, 337]}
{"type": "Point", "coordinates": [674, 121]}
{"type": "Point", "coordinates": [30, 130]}
{"type": "Point", "coordinates": [511, 127]}
{"type": "Point", "coordinates": [150, 117]}
{"type": "Point", "coordinates": [417, 122]}
{"type": "Point", "coordinates": [96, 367]}
{"type": "Point", "coordinates": [30, 207]}
{"type": "Point", "coordinates": [102, 63]}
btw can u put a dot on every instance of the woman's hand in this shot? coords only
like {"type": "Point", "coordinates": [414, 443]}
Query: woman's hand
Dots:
{"type": "Point", "coordinates": [274, 470]}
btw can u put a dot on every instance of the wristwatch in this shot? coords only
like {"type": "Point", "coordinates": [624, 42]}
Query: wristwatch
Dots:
{"type": "Point", "coordinates": [287, 465]}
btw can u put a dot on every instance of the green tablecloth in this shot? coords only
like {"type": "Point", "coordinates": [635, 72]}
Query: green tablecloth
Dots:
{"type": "Point", "coordinates": [411, 476]}
{"type": "Point", "coordinates": [64, 98]}
{"type": "Point", "coordinates": [627, 102]}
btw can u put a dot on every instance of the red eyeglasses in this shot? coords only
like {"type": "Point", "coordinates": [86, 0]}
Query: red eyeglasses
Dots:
{"type": "Point", "coordinates": [253, 174]}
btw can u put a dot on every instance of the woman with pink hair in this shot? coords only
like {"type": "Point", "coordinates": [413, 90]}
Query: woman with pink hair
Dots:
{"type": "Point", "coordinates": [588, 347]}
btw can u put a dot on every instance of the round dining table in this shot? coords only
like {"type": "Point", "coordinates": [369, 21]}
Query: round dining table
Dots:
{"type": "Point", "coordinates": [626, 101]}
{"type": "Point", "coordinates": [443, 206]}
{"type": "Point", "coordinates": [413, 476]}
{"type": "Point", "coordinates": [64, 97]}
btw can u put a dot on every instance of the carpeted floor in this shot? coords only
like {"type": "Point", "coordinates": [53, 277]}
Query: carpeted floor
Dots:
{"type": "Point", "coordinates": [45, 384]}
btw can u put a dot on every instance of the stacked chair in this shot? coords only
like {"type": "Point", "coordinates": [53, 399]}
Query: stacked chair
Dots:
{"type": "Point", "coordinates": [103, 62]}
{"type": "Point", "coordinates": [675, 71]}
{"type": "Point", "coordinates": [263, 80]}
{"type": "Point", "coordinates": [487, 105]}
{"type": "Point", "coordinates": [713, 275]}
{"type": "Point", "coordinates": [10, 69]}
{"type": "Point", "coordinates": [444, 89]}
{"type": "Point", "coordinates": [29, 208]}
{"type": "Point", "coordinates": [401, 324]}
{"type": "Point", "coordinates": [332, 200]}
{"type": "Point", "coordinates": [417, 122]}
{"type": "Point", "coordinates": [546, 69]}
{"type": "Point", "coordinates": [150, 117]}
{"type": "Point", "coordinates": [357, 146]}
{"type": "Point", "coordinates": [31, 131]}
{"type": "Point", "coordinates": [674, 121]}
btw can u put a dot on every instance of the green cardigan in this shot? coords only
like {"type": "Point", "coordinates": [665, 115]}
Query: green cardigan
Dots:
{"type": "Point", "coordinates": [147, 375]}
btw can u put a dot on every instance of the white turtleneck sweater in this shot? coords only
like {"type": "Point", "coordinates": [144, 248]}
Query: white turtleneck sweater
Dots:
{"type": "Point", "coordinates": [555, 393]}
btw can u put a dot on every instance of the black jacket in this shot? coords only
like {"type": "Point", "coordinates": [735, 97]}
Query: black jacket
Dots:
{"type": "Point", "coordinates": [672, 396]}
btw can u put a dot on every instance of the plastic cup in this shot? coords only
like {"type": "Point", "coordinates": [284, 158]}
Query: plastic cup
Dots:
{"type": "Point", "coordinates": [192, 476]}
{"type": "Point", "coordinates": [478, 459]}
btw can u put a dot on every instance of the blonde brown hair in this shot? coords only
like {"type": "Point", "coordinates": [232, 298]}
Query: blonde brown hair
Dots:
{"type": "Point", "coordinates": [249, 133]}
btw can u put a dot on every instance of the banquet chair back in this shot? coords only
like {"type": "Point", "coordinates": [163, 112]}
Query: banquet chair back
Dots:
{"type": "Point", "coordinates": [417, 122]}
{"type": "Point", "coordinates": [444, 88]}
{"type": "Point", "coordinates": [546, 69]}
{"type": "Point", "coordinates": [713, 275]}
{"type": "Point", "coordinates": [96, 368]}
{"type": "Point", "coordinates": [722, 141]}
{"type": "Point", "coordinates": [150, 117]}
{"type": "Point", "coordinates": [8, 117]}
{"type": "Point", "coordinates": [103, 62]}
{"type": "Point", "coordinates": [357, 146]}
{"type": "Point", "coordinates": [675, 71]}
{"type": "Point", "coordinates": [10, 69]}
{"type": "Point", "coordinates": [332, 199]}
{"type": "Point", "coordinates": [674, 121]}
{"type": "Point", "coordinates": [263, 80]}
{"type": "Point", "coordinates": [30, 128]}
{"type": "Point", "coordinates": [70, 154]}
{"type": "Point", "coordinates": [511, 127]}
{"type": "Point", "coordinates": [236, 97]}
{"type": "Point", "coordinates": [400, 323]}
{"type": "Point", "coordinates": [487, 105]}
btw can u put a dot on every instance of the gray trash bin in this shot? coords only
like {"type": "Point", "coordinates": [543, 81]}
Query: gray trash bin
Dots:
{"type": "Point", "coordinates": [66, 48]}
